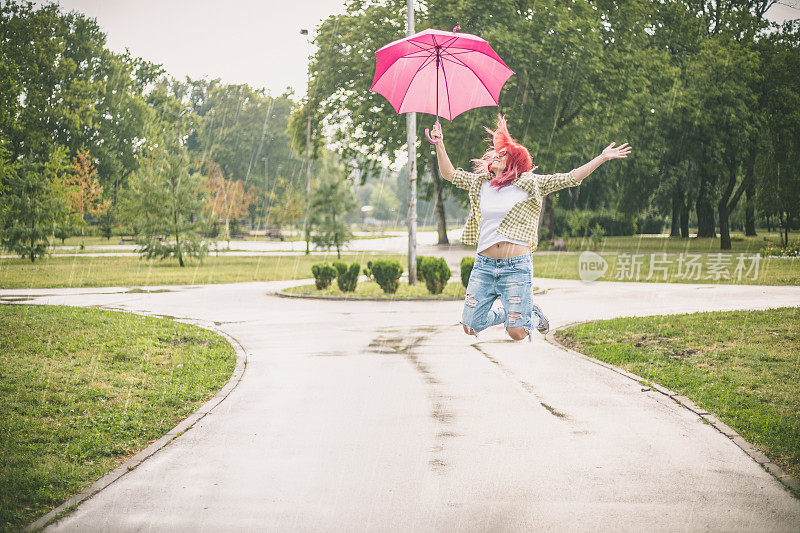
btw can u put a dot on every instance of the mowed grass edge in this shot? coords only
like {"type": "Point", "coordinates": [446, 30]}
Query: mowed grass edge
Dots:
{"type": "Point", "coordinates": [83, 390]}
{"type": "Point", "coordinates": [126, 271]}
{"type": "Point", "coordinates": [742, 366]}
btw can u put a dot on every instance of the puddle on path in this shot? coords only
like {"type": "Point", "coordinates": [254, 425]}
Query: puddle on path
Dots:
{"type": "Point", "coordinates": [146, 291]}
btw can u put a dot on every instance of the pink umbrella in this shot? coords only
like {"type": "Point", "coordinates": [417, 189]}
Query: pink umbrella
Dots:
{"type": "Point", "coordinates": [461, 70]}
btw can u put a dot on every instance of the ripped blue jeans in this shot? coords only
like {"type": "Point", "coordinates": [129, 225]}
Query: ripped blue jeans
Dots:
{"type": "Point", "coordinates": [511, 280]}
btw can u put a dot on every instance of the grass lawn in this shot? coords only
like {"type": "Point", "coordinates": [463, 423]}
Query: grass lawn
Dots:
{"type": "Point", "coordinates": [694, 268]}
{"type": "Point", "coordinates": [743, 366]}
{"type": "Point", "coordinates": [649, 244]}
{"type": "Point", "coordinates": [370, 289]}
{"type": "Point", "coordinates": [76, 402]}
{"type": "Point", "coordinates": [124, 271]}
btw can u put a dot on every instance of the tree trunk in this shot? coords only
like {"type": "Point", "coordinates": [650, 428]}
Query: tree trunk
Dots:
{"type": "Point", "coordinates": [724, 209]}
{"type": "Point", "coordinates": [228, 231]}
{"type": "Point", "coordinates": [750, 201]}
{"type": "Point", "coordinates": [684, 217]}
{"type": "Point", "coordinates": [786, 230]}
{"type": "Point", "coordinates": [177, 237]}
{"type": "Point", "coordinates": [705, 211]}
{"type": "Point", "coordinates": [33, 240]}
{"type": "Point", "coordinates": [335, 235]}
{"type": "Point", "coordinates": [677, 207]}
{"type": "Point", "coordinates": [438, 206]}
{"type": "Point", "coordinates": [724, 230]}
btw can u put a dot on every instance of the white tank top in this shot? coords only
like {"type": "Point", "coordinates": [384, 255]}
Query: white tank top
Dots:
{"type": "Point", "coordinates": [495, 205]}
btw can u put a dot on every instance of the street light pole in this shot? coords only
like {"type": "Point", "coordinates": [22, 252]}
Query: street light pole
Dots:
{"type": "Point", "coordinates": [411, 140]}
{"type": "Point", "coordinates": [308, 142]}
{"type": "Point", "coordinates": [266, 193]}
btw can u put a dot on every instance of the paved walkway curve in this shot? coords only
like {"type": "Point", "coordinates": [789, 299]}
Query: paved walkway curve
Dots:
{"type": "Point", "coordinates": [385, 416]}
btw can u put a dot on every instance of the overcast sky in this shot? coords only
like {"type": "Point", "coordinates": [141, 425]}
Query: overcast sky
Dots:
{"type": "Point", "coordinates": [257, 42]}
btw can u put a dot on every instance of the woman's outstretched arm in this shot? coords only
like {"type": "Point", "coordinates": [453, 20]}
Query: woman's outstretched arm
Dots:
{"type": "Point", "coordinates": [611, 152]}
{"type": "Point", "coordinates": [446, 168]}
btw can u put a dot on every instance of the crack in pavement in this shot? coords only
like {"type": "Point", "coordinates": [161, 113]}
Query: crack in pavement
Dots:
{"type": "Point", "coordinates": [527, 387]}
{"type": "Point", "coordinates": [397, 341]}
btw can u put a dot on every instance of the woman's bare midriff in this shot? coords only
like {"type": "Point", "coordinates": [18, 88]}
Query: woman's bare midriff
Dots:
{"type": "Point", "coordinates": [505, 249]}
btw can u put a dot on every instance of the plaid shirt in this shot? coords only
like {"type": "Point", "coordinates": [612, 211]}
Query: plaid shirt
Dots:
{"type": "Point", "coordinates": [522, 221]}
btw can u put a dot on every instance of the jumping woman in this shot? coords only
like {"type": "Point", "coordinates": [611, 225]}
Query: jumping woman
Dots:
{"type": "Point", "coordinates": [505, 200]}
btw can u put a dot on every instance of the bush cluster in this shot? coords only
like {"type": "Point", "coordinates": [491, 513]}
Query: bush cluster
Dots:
{"type": "Point", "coordinates": [585, 223]}
{"type": "Point", "coordinates": [323, 274]}
{"type": "Point", "coordinates": [347, 277]}
{"type": "Point", "coordinates": [387, 274]}
{"type": "Point", "coordinates": [435, 272]}
{"type": "Point", "coordinates": [466, 269]}
{"type": "Point", "coordinates": [792, 249]}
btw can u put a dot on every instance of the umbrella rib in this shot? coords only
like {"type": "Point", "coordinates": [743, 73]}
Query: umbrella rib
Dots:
{"type": "Point", "coordinates": [459, 62]}
{"type": "Point", "coordinates": [423, 65]}
{"type": "Point", "coordinates": [421, 46]}
{"type": "Point", "coordinates": [447, 90]}
{"type": "Point", "coordinates": [446, 44]}
{"type": "Point", "coordinates": [470, 50]}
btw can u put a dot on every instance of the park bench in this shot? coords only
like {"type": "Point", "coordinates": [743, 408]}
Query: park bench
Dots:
{"type": "Point", "coordinates": [274, 233]}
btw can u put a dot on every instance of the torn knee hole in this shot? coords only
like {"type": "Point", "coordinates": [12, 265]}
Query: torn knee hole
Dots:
{"type": "Point", "coordinates": [515, 300]}
{"type": "Point", "coordinates": [512, 317]}
{"type": "Point", "coordinates": [471, 301]}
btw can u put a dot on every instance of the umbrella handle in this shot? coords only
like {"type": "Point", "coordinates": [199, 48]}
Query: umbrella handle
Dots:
{"type": "Point", "coordinates": [428, 135]}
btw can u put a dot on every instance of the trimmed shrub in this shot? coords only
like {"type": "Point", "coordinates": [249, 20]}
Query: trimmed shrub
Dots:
{"type": "Point", "coordinates": [597, 235]}
{"type": "Point", "coordinates": [368, 270]}
{"type": "Point", "coordinates": [436, 273]}
{"type": "Point", "coordinates": [387, 273]}
{"type": "Point", "coordinates": [420, 275]}
{"type": "Point", "coordinates": [581, 223]}
{"type": "Point", "coordinates": [323, 274]}
{"type": "Point", "coordinates": [650, 223]}
{"type": "Point", "coordinates": [348, 278]}
{"type": "Point", "coordinates": [466, 269]}
{"type": "Point", "coordinates": [340, 267]}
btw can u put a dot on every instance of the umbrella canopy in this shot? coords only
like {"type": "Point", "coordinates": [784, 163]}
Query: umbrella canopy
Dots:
{"type": "Point", "coordinates": [440, 73]}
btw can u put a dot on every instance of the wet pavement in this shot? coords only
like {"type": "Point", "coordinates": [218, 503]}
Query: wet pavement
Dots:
{"type": "Point", "coordinates": [386, 416]}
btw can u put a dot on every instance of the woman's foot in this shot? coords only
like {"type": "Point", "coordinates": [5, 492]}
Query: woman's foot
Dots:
{"type": "Point", "coordinates": [544, 324]}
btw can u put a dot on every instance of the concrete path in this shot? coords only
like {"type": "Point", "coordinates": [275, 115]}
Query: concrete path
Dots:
{"type": "Point", "coordinates": [385, 416]}
{"type": "Point", "coordinates": [394, 242]}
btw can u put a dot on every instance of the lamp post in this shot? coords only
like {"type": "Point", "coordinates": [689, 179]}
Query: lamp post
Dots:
{"type": "Point", "coordinates": [308, 141]}
{"type": "Point", "coordinates": [411, 140]}
{"type": "Point", "coordinates": [266, 194]}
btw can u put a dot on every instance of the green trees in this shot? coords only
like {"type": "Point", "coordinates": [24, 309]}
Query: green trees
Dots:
{"type": "Point", "coordinates": [29, 199]}
{"type": "Point", "coordinates": [165, 204]}
{"type": "Point", "coordinates": [705, 92]}
{"type": "Point", "coordinates": [60, 89]}
{"type": "Point", "coordinates": [331, 200]}
{"type": "Point", "coordinates": [776, 166]}
{"type": "Point", "coordinates": [682, 81]}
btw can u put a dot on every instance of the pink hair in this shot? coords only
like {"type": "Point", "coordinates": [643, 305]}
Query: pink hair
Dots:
{"type": "Point", "coordinates": [518, 159]}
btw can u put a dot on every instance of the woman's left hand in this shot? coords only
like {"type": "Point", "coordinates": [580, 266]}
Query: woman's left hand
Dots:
{"type": "Point", "coordinates": [619, 152]}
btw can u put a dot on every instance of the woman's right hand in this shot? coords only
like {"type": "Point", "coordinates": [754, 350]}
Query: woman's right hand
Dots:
{"type": "Point", "coordinates": [436, 132]}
